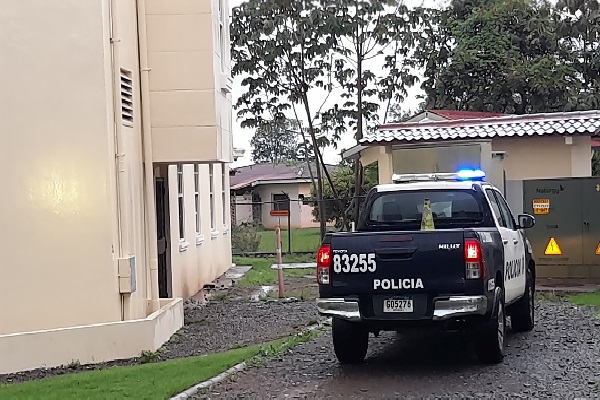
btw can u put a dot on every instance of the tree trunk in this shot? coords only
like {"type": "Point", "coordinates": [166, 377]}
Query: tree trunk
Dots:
{"type": "Point", "coordinates": [320, 204]}
{"type": "Point", "coordinates": [359, 123]}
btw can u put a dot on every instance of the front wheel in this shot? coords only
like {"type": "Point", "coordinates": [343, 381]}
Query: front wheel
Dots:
{"type": "Point", "coordinates": [350, 341]}
{"type": "Point", "coordinates": [490, 342]}
{"type": "Point", "coordinates": [523, 317]}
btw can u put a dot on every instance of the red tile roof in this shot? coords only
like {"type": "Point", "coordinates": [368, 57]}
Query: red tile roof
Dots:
{"type": "Point", "coordinates": [454, 114]}
{"type": "Point", "coordinates": [251, 175]}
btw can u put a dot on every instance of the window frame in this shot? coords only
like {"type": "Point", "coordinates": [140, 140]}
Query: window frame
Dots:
{"type": "Point", "coordinates": [213, 216]}
{"type": "Point", "coordinates": [183, 243]}
{"type": "Point", "coordinates": [275, 203]}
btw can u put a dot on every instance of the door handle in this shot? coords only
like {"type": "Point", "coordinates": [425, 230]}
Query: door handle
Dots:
{"type": "Point", "coordinates": [515, 241]}
{"type": "Point", "coordinates": [505, 241]}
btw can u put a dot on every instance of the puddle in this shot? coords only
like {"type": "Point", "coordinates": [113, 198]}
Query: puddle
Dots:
{"type": "Point", "coordinates": [261, 293]}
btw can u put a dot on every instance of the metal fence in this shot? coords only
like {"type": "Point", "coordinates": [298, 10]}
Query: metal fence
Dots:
{"type": "Point", "coordinates": [254, 222]}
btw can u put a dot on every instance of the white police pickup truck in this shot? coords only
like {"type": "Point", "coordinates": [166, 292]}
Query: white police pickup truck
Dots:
{"type": "Point", "coordinates": [430, 251]}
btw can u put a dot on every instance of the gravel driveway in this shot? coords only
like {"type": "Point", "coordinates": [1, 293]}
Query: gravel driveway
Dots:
{"type": "Point", "coordinates": [559, 359]}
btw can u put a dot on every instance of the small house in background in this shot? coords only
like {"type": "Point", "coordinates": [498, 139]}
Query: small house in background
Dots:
{"type": "Point", "coordinates": [264, 194]}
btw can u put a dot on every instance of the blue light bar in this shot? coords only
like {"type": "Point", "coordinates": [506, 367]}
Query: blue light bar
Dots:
{"type": "Point", "coordinates": [470, 175]}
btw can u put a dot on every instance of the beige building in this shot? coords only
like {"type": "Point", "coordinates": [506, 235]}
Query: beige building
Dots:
{"type": "Point", "coordinates": [507, 147]}
{"type": "Point", "coordinates": [117, 140]}
{"type": "Point", "coordinates": [265, 194]}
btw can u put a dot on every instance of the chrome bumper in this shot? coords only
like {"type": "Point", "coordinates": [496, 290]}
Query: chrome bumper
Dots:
{"type": "Point", "coordinates": [340, 308]}
{"type": "Point", "coordinates": [458, 306]}
{"type": "Point", "coordinates": [455, 306]}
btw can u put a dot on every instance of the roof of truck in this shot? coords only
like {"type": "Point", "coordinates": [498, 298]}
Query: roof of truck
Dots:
{"type": "Point", "coordinates": [428, 185]}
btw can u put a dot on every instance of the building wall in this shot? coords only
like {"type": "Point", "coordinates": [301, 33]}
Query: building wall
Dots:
{"type": "Point", "coordinates": [542, 157]}
{"type": "Point", "coordinates": [75, 191]}
{"type": "Point", "coordinates": [526, 158]}
{"type": "Point", "coordinates": [58, 208]}
{"type": "Point", "coordinates": [243, 212]}
{"type": "Point", "coordinates": [300, 214]}
{"type": "Point", "coordinates": [191, 114]}
{"type": "Point", "coordinates": [307, 220]}
{"type": "Point", "coordinates": [203, 255]}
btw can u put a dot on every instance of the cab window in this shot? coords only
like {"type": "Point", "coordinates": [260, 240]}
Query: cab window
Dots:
{"type": "Point", "coordinates": [450, 208]}
{"type": "Point", "coordinates": [505, 210]}
{"type": "Point", "coordinates": [495, 207]}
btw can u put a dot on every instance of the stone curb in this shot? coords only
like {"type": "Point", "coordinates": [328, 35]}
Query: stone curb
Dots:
{"type": "Point", "coordinates": [233, 370]}
{"type": "Point", "coordinates": [207, 384]}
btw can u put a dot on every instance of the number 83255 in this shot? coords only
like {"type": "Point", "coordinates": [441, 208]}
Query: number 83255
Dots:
{"type": "Point", "coordinates": [352, 263]}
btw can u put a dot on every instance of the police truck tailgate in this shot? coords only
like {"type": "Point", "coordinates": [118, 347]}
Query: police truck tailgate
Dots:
{"type": "Point", "coordinates": [403, 262]}
{"type": "Point", "coordinates": [395, 267]}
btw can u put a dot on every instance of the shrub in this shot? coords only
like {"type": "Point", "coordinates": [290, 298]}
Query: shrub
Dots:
{"type": "Point", "coordinates": [245, 238]}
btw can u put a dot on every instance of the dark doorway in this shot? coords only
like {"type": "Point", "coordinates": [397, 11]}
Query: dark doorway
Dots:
{"type": "Point", "coordinates": [162, 235]}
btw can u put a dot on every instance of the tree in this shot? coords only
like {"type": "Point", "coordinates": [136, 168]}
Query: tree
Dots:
{"type": "Point", "coordinates": [275, 142]}
{"type": "Point", "coordinates": [282, 48]}
{"type": "Point", "coordinates": [497, 55]}
{"type": "Point", "coordinates": [396, 113]}
{"type": "Point", "coordinates": [369, 31]}
{"type": "Point", "coordinates": [596, 163]}
{"type": "Point", "coordinates": [578, 24]}
{"type": "Point", "coordinates": [343, 179]}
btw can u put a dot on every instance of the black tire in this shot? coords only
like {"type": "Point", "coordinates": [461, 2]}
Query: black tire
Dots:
{"type": "Point", "coordinates": [491, 340]}
{"type": "Point", "coordinates": [350, 341]}
{"type": "Point", "coordinates": [523, 316]}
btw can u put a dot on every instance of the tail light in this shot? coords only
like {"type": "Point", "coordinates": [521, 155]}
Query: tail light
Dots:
{"type": "Point", "coordinates": [324, 265]}
{"type": "Point", "coordinates": [474, 267]}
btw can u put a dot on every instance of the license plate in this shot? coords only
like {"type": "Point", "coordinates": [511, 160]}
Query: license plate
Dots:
{"type": "Point", "coordinates": [398, 305]}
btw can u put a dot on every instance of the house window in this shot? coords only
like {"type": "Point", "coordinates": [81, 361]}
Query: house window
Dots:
{"type": "Point", "coordinates": [281, 202]}
{"type": "Point", "coordinates": [224, 194]}
{"type": "Point", "coordinates": [303, 199]}
{"type": "Point", "coordinates": [180, 202]}
{"type": "Point", "coordinates": [197, 198]}
{"type": "Point", "coordinates": [213, 223]}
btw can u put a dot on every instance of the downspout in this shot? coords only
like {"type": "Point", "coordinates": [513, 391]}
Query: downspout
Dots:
{"type": "Point", "coordinates": [121, 166]}
{"type": "Point", "coordinates": [151, 241]}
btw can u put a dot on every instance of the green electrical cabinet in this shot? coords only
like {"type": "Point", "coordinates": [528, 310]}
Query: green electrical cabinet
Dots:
{"type": "Point", "coordinates": [566, 235]}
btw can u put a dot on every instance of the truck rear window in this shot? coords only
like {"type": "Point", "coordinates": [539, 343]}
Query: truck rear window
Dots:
{"type": "Point", "coordinates": [450, 208]}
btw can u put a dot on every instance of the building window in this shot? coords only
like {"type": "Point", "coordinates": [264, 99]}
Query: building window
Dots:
{"type": "Point", "coordinates": [213, 222]}
{"type": "Point", "coordinates": [197, 198]}
{"type": "Point", "coordinates": [303, 199]}
{"type": "Point", "coordinates": [226, 211]}
{"type": "Point", "coordinates": [126, 98]}
{"type": "Point", "coordinates": [180, 202]}
{"type": "Point", "coordinates": [281, 202]}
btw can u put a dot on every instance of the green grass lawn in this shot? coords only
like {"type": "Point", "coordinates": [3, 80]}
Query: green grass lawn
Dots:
{"type": "Point", "coordinates": [303, 239]}
{"type": "Point", "coordinates": [148, 381]}
{"type": "Point", "coordinates": [262, 274]}
{"type": "Point", "coordinates": [586, 299]}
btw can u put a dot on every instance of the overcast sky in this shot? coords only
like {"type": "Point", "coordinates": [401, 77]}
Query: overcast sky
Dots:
{"type": "Point", "coordinates": [242, 137]}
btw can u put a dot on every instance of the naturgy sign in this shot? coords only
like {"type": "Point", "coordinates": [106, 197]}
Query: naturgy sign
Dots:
{"type": "Point", "coordinates": [550, 190]}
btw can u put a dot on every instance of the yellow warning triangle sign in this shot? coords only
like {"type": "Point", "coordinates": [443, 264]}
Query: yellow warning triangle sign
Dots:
{"type": "Point", "coordinates": [553, 248]}
{"type": "Point", "coordinates": [598, 249]}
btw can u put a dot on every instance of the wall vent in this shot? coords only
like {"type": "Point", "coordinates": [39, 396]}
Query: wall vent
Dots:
{"type": "Point", "coordinates": [126, 98]}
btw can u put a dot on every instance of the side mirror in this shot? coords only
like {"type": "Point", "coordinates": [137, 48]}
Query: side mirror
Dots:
{"type": "Point", "coordinates": [526, 221]}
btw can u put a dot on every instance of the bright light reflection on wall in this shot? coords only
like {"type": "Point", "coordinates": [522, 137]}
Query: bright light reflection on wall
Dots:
{"type": "Point", "coordinates": [61, 189]}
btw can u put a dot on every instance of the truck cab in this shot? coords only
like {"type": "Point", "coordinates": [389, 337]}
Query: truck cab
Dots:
{"type": "Point", "coordinates": [430, 251]}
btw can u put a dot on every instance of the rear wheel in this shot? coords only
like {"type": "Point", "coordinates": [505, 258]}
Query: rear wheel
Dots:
{"type": "Point", "coordinates": [490, 343]}
{"type": "Point", "coordinates": [350, 341]}
{"type": "Point", "coordinates": [523, 317]}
